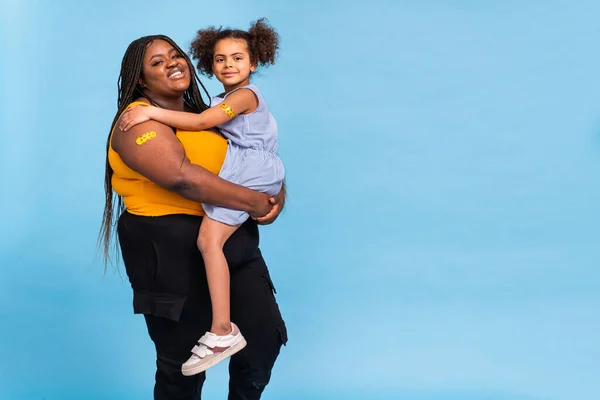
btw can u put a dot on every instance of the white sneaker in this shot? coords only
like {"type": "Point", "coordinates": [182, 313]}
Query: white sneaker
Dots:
{"type": "Point", "coordinates": [212, 349]}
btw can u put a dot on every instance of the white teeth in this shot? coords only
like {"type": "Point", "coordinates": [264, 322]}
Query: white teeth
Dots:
{"type": "Point", "coordinates": [177, 74]}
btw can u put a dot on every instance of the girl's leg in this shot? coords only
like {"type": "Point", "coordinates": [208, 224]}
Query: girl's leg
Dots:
{"type": "Point", "coordinates": [213, 235]}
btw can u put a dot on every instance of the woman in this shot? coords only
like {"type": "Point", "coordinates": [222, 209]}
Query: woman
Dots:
{"type": "Point", "coordinates": [161, 177]}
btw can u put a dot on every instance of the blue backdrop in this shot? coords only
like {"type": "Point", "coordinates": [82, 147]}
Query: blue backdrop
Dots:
{"type": "Point", "coordinates": [440, 239]}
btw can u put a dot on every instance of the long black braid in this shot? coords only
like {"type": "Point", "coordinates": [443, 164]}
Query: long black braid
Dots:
{"type": "Point", "coordinates": [129, 90]}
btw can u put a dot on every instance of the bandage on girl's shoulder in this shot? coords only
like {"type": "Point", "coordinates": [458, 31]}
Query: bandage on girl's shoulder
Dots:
{"type": "Point", "coordinates": [228, 110]}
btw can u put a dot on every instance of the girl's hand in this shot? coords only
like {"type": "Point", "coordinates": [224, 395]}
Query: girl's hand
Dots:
{"type": "Point", "coordinates": [133, 116]}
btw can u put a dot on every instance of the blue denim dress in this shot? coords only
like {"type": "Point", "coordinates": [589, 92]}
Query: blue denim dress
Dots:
{"type": "Point", "coordinates": [251, 158]}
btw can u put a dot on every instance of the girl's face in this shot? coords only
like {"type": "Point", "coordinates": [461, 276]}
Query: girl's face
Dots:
{"type": "Point", "coordinates": [231, 63]}
{"type": "Point", "coordinates": [165, 72]}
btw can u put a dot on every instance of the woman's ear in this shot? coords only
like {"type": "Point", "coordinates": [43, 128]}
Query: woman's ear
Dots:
{"type": "Point", "coordinates": [141, 83]}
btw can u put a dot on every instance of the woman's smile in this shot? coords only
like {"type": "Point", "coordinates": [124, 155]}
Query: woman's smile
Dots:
{"type": "Point", "coordinates": [176, 73]}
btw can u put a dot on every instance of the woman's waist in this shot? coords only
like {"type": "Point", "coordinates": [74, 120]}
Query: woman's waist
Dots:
{"type": "Point", "coordinates": [148, 199]}
{"type": "Point", "coordinates": [178, 232]}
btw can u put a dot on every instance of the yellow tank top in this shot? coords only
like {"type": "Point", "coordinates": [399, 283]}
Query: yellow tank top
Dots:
{"type": "Point", "coordinates": [143, 197]}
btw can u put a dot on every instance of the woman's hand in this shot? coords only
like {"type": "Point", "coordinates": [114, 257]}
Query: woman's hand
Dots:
{"type": "Point", "coordinates": [277, 204]}
{"type": "Point", "coordinates": [262, 206]}
{"type": "Point", "coordinates": [133, 116]}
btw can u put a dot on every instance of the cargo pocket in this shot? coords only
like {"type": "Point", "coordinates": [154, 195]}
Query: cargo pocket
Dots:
{"type": "Point", "coordinates": [164, 305]}
{"type": "Point", "coordinates": [143, 267]}
{"type": "Point", "coordinates": [274, 309]}
{"type": "Point", "coordinates": [140, 256]}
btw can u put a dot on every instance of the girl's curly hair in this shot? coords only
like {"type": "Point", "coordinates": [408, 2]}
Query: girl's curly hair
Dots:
{"type": "Point", "coordinates": [262, 41]}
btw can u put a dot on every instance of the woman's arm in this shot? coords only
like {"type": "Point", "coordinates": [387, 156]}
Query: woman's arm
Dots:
{"type": "Point", "coordinates": [239, 102]}
{"type": "Point", "coordinates": [162, 159]}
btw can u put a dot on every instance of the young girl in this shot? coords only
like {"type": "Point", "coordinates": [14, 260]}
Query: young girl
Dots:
{"type": "Point", "coordinates": [242, 116]}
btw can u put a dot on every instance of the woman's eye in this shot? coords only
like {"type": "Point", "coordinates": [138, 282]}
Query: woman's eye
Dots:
{"type": "Point", "coordinates": [156, 63]}
{"type": "Point", "coordinates": [238, 58]}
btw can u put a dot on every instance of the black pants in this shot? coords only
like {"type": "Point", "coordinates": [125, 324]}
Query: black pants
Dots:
{"type": "Point", "coordinates": [167, 275]}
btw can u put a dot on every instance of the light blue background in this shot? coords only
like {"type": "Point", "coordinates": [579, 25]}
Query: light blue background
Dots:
{"type": "Point", "coordinates": [440, 239]}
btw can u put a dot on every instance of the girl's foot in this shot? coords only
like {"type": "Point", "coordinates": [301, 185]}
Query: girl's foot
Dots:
{"type": "Point", "coordinates": [212, 349]}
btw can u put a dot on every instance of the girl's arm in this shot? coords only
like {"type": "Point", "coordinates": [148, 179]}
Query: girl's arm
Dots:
{"type": "Point", "coordinates": [239, 102]}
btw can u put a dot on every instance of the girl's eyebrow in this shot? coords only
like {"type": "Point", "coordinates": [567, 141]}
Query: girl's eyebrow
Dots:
{"type": "Point", "coordinates": [234, 54]}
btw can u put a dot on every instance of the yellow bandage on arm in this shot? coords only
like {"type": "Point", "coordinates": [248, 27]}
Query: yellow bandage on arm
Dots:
{"type": "Point", "coordinates": [228, 110]}
{"type": "Point", "coordinates": [145, 137]}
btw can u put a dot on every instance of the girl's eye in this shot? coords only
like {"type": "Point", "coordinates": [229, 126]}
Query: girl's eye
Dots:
{"type": "Point", "coordinates": [156, 63]}
{"type": "Point", "coordinates": [177, 56]}
{"type": "Point", "coordinates": [219, 60]}
{"type": "Point", "coordinates": [238, 58]}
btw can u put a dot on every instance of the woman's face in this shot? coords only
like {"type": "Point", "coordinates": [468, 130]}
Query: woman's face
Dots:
{"type": "Point", "coordinates": [165, 72]}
